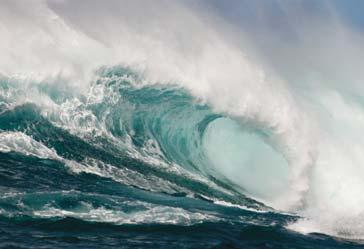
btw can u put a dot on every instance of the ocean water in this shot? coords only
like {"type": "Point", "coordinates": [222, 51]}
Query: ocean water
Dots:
{"type": "Point", "coordinates": [127, 166]}
{"type": "Point", "coordinates": [156, 130]}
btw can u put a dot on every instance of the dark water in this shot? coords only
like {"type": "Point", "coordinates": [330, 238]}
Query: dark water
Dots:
{"type": "Point", "coordinates": [123, 166]}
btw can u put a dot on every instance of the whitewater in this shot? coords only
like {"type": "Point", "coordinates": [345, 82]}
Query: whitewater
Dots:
{"type": "Point", "coordinates": [166, 124]}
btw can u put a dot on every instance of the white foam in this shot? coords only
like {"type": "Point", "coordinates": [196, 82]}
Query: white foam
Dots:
{"type": "Point", "coordinates": [24, 144]}
{"type": "Point", "coordinates": [152, 215]}
{"type": "Point", "coordinates": [229, 204]}
{"type": "Point", "coordinates": [127, 176]}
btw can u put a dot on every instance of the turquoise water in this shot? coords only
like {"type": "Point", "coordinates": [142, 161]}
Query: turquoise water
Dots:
{"type": "Point", "coordinates": [133, 165]}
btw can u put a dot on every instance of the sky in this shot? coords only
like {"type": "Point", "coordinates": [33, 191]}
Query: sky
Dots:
{"type": "Point", "coordinates": [242, 11]}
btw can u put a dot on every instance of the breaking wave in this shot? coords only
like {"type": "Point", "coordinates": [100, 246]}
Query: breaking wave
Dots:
{"type": "Point", "coordinates": [130, 125]}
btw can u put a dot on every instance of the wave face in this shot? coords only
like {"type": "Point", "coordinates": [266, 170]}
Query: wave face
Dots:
{"type": "Point", "coordinates": [173, 131]}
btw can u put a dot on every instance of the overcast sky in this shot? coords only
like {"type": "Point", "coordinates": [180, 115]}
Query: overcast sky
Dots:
{"type": "Point", "coordinates": [242, 11]}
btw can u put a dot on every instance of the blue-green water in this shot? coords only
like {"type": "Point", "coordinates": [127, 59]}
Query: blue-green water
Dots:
{"type": "Point", "coordinates": [126, 165]}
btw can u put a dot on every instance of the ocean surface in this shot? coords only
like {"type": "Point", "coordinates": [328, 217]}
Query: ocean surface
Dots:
{"type": "Point", "coordinates": [124, 166]}
{"type": "Point", "coordinates": [174, 128]}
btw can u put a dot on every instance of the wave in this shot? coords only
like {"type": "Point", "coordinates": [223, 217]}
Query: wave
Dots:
{"type": "Point", "coordinates": [198, 114]}
{"type": "Point", "coordinates": [132, 125]}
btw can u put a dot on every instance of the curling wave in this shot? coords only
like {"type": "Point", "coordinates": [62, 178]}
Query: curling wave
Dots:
{"type": "Point", "coordinates": [163, 122]}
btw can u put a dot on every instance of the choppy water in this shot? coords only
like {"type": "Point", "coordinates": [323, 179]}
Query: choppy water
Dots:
{"type": "Point", "coordinates": [172, 128]}
{"type": "Point", "coordinates": [124, 165]}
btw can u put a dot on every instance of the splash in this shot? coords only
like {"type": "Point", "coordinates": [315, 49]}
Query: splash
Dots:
{"type": "Point", "coordinates": [277, 121]}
